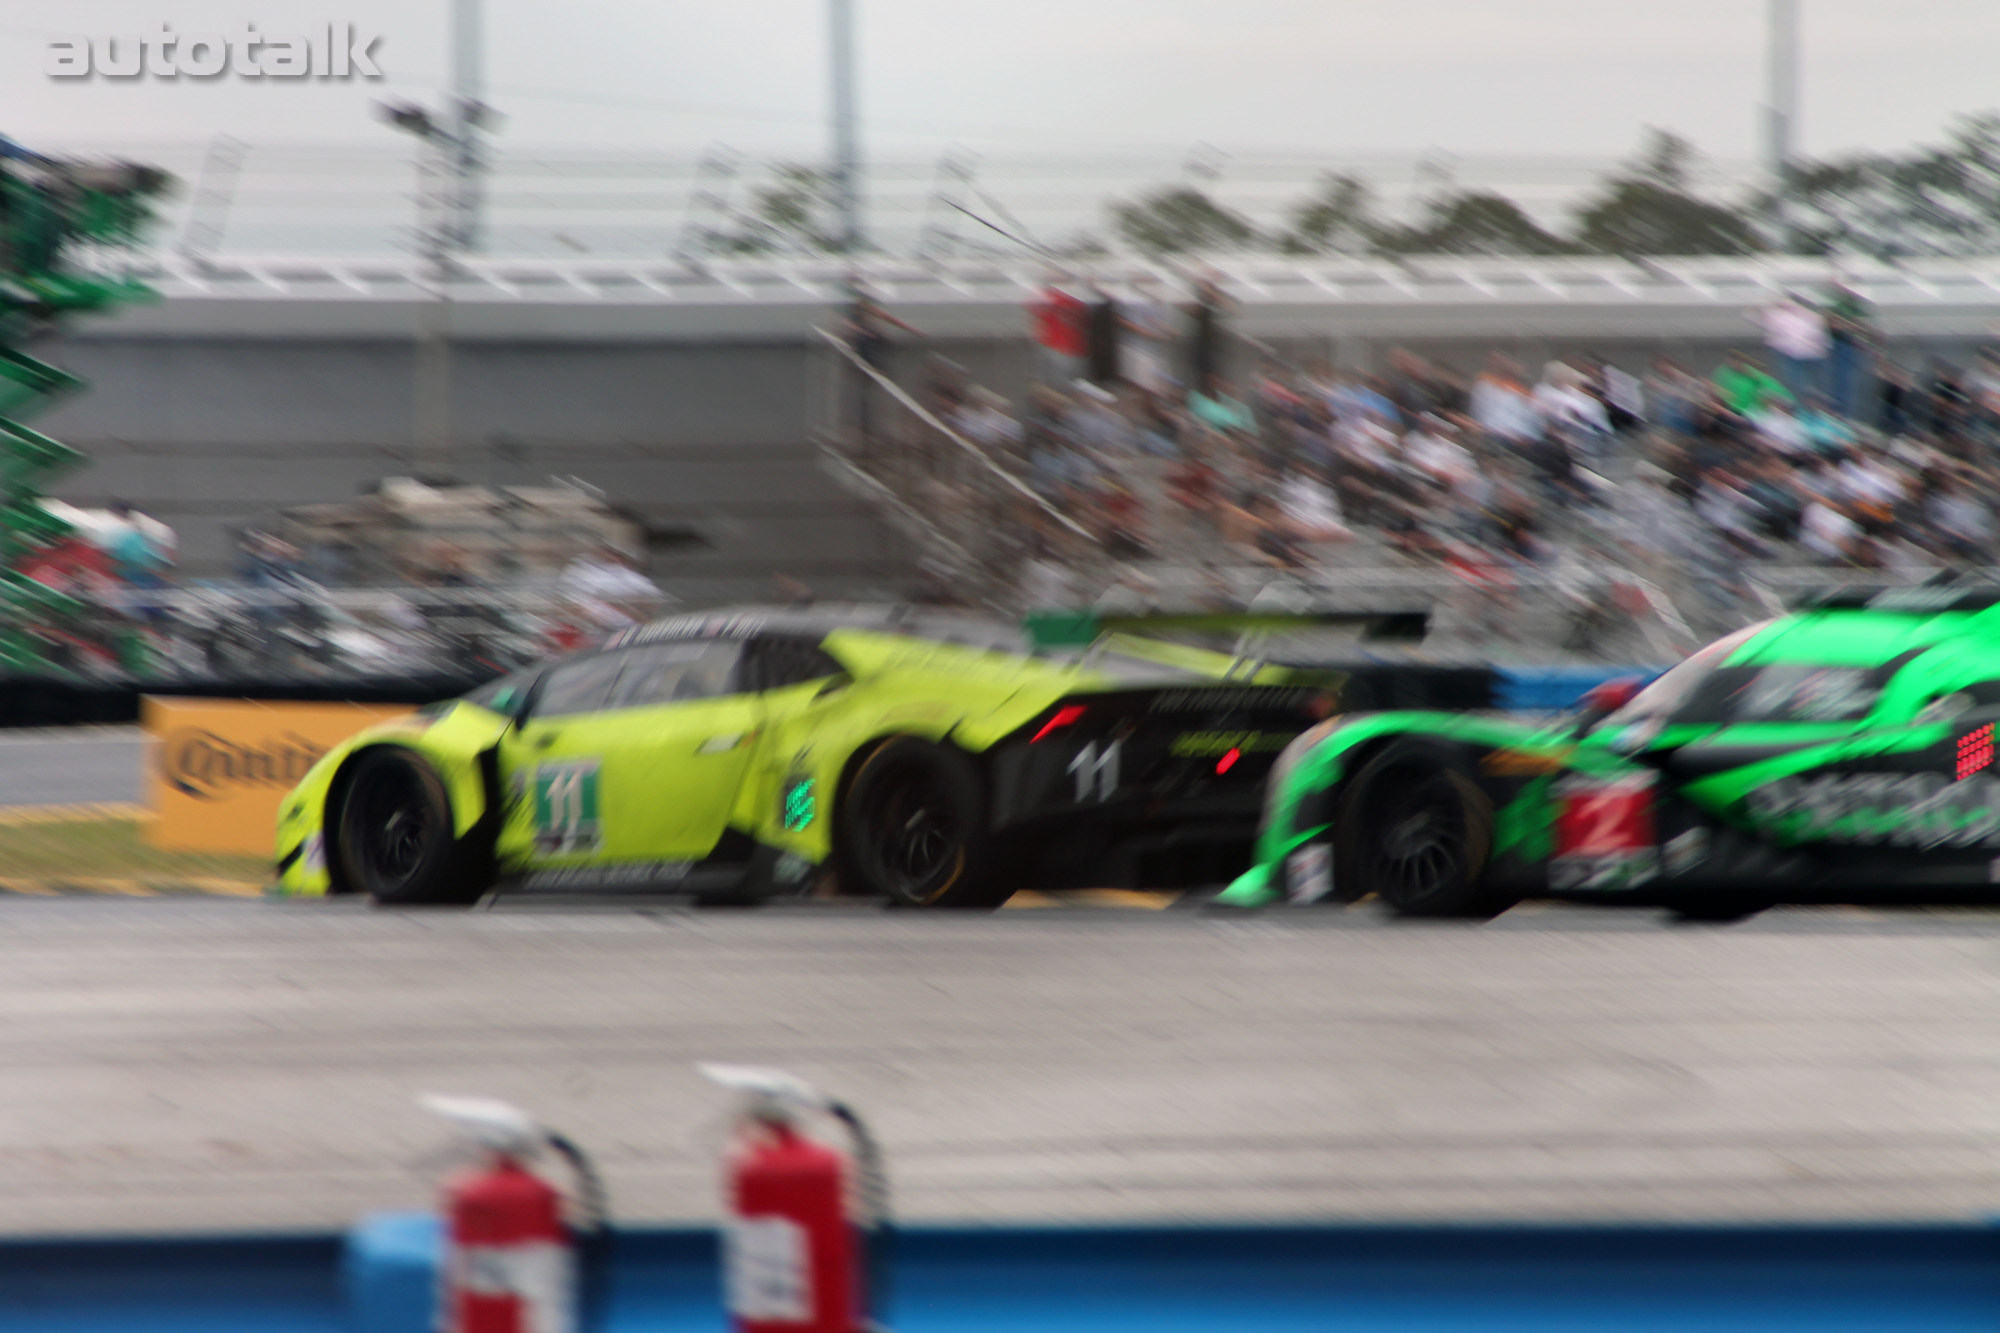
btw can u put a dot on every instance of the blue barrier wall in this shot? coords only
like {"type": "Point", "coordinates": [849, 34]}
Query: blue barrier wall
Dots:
{"type": "Point", "coordinates": [1442, 1279]}
{"type": "Point", "coordinates": [263, 1284]}
{"type": "Point", "coordinates": [1555, 689]}
{"type": "Point", "coordinates": [1915, 1279]}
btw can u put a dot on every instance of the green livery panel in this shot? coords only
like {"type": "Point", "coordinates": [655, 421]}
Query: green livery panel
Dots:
{"type": "Point", "coordinates": [1845, 748]}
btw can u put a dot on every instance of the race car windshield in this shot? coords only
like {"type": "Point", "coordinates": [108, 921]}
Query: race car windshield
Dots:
{"type": "Point", "coordinates": [1667, 699]}
{"type": "Point", "coordinates": [1793, 692]}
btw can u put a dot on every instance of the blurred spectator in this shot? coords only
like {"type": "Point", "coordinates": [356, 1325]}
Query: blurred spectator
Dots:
{"type": "Point", "coordinates": [1206, 360]}
{"type": "Point", "coordinates": [1797, 337]}
{"type": "Point", "coordinates": [1062, 330]}
{"type": "Point", "coordinates": [1947, 405]}
{"type": "Point", "coordinates": [1896, 397]}
{"type": "Point", "coordinates": [1624, 397]}
{"type": "Point", "coordinates": [984, 420]}
{"type": "Point", "coordinates": [1982, 388]}
{"type": "Point", "coordinates": [1826, 432]}
{"type": "Point", "coordinates": [1219, 408]}
{"type": "Point", "coordinates": [1827, 531]}
{"type": "Point", "coordinates": [141, 547]}
{"type": "Point", "coordinates": [1674, 395]}
{"type": "Point", "coordinates": [1104, 337]}
{"type": "Point", "coordinates": [1850, 339]}
{"type": "Point", "coordinates": [1147, 352]}
{"type": "Point", "coordinates": [1502, 405]}
{"type": "Point", "coordinates": [1745, 387]}
{"type": "Point", "coordinates": [605, 583]}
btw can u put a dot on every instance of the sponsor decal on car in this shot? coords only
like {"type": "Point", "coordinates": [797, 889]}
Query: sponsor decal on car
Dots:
{"type": "Point", "coordinates": [1309, 873]}
{"type": "Point", "coordinates": [661, 873]}
{"type": "Point", "coordinates": [568, 802]}
{"type": "Point", "coordinates": [1919, 810]}
{"type": "Point", "coordinates": [798, 803]}
{"type": "Point", "coordinates": [1233, 700]}
{"type": "Point", "coordinates": [1209, 744]}
{"type": "Point", "coordinates": [1604, 836]}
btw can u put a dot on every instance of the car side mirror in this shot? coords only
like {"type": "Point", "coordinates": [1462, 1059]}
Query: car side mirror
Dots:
{"type": "Point", "coordinates": [832, 685]}
{"type": "Point", "coordinates": [1606, 698]}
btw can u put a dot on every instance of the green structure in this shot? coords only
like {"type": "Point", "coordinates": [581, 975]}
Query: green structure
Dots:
{"type": "Point", "coordinates": [59, 219]}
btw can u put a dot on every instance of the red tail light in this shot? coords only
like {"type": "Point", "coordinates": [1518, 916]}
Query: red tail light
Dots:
{"type": "Point", "coordinates": [1066, 716]}
{"type": "Point", "coordinates": [1228, 761]}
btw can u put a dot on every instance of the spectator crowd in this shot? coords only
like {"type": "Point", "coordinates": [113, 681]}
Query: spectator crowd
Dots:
{"type": "Point", "coordinates": [1823, 450]}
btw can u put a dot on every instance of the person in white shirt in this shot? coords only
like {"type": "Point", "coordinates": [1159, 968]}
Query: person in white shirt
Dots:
{"type": "Point", "coordinates": [1799, 340]}
{"type": "Point", "coordinates": [1828, 533]}
{"type": "Point", "coordinates": [609, 590]}
{"type": "Point", "coordinates": [1309, 511]}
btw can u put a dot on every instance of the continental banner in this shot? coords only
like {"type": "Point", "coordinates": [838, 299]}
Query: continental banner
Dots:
{"type": "Point", "coordinates": [217, 768]}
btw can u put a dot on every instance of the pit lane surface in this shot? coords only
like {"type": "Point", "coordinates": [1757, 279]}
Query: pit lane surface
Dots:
{"type": "Point", "coordinates": [214, 1064]}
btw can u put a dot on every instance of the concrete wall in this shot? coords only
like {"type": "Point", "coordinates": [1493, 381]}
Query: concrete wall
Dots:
{"type": "Point", "coordinates": [215, 434]}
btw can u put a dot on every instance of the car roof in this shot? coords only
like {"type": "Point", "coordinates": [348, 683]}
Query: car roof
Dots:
{"type": "Point", "coordinates": [821, 619]}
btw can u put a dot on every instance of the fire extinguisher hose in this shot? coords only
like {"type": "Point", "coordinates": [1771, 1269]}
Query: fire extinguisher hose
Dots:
{"type": "Point", "coordinates": [872, 1190]}
{"type": "Point", "coordinates": [593, 1240]}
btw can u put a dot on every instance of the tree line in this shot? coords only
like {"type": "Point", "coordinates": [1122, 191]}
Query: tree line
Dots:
{"type": "Point", "coordinates": [1938, 199]}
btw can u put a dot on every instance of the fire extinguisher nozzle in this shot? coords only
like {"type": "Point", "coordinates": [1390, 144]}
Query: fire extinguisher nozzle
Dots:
{"type": "Point", "coordinates": [489, 1122]}
{"type": "Point", "coordinates": [758, 1081]}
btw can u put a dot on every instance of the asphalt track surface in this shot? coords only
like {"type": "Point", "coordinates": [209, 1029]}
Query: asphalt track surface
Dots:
{"type": "Point", "coordinates": [208, 1064]}
{"type": "Point", "coordinates": [62, 766]}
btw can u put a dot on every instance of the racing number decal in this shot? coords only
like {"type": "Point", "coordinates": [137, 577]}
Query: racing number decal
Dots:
{"type": "Point", "coordinates": [566, 808]}
{"type": "Point", "coordinates": [1604, 836]}
{"type": "Point", "coordinates": [1096, 771]}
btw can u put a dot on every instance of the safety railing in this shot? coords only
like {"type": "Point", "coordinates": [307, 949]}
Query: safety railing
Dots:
{"type": "Point", "coordinates": [974, 519]}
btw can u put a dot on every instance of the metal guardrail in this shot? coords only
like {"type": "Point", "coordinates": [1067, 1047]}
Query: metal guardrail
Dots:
{"type": "Point", "coordinates": [1911, 287]}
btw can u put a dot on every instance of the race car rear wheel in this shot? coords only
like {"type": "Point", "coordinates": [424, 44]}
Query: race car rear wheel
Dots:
{"type": "Point", "coordinates": [913, 829]}
{"type": "Point", "coordinates": [394, 834]}
{"type": "Point", "coordinates": [1415, 830]}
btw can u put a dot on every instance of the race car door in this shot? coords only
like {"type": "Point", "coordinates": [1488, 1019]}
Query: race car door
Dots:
{"type": "Point", "coordinates": [631, 758]}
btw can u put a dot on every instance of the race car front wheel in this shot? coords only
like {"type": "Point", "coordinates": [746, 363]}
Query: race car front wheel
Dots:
{"type": "Point", "coordinates": [913, 829]}
{"type": "Point", "coordinates": [1415, 830]}
{"type": "Point", "coordinates": [394, 833]}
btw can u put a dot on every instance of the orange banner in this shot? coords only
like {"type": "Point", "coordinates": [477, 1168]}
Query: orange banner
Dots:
{"type": "Point", "coordinates": [217, 768]}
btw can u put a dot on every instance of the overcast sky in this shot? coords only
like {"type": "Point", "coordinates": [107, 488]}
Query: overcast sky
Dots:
{"type": "Point", "coordinates": [1470, 76]}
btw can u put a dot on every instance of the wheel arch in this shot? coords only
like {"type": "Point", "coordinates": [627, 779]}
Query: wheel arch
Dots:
{"type": "Point", "coordinates": [858, 759]}
{"type": "Point", "coordinates": [482, 833]}
{"type": "Point", "coordinates": [1315, 805]}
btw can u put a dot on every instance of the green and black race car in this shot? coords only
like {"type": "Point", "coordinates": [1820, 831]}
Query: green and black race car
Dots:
{"type": "Point", "coordinates": [932, 759]}
{"type": "Point", "coordinates": [1835, 753]}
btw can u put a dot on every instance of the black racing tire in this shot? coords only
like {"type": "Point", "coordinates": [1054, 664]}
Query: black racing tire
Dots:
{"type": "Point", "coordinates": [912, 828]}
{"type": "Point", "coordinates": [393, 834]}
{"type": "Point", "coordinates": [1414, 829]}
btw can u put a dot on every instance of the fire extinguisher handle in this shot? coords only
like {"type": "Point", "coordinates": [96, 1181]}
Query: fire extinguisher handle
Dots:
{"type": "Point", "coordinates": [872, 1175]}
{"type": "Point", "coordinates": [593, 1231]}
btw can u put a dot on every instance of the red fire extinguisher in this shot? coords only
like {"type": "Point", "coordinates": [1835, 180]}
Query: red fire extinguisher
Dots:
{"type": "Point", "coordinates": [512, 1262]}
{"type": "Point", "coordinates": [805, 1230]}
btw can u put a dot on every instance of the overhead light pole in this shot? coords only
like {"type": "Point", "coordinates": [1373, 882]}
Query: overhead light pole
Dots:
{"type": "Point", "coordinates": [469, 117]}
{"type": "Point", "coordinates": [1781, 113]}
{"type": "Point", "coordinates": [846, 128]}
{"type": "Point", "coordinates": [450, 222]}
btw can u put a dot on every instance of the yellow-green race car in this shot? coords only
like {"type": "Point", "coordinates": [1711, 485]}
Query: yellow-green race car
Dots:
{"type": "Point", "coordinates": [932, 759]}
